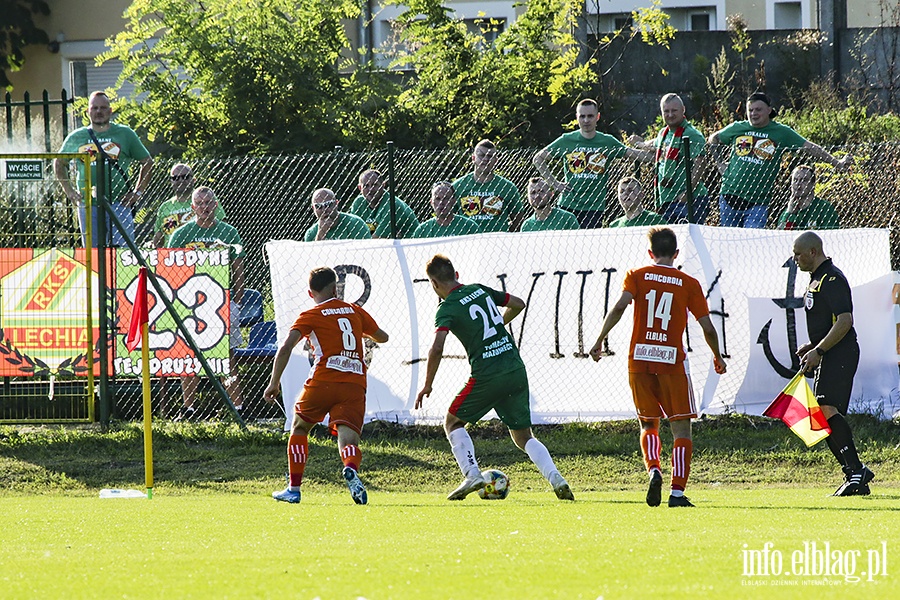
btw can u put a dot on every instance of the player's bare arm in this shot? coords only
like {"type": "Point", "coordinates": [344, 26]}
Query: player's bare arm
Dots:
{"type": "Point", "coordinates": [435, 354]}
{"type": "Point", "coordinates": [809, 358]}
{"type": "Point", "coordinates": [712, 340]}
{"type": "Point", "coordinates": [612, 318]}
{"type": "Point", "coordinates": [514, 306]}
{"type": "Point", "coordinates": [379, 336]}
{"type": "Point", "coordinates": [278, 366]}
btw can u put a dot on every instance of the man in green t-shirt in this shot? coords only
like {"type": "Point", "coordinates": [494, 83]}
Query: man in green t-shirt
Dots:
{"type": "Point", "coordinates": [177, 211]}
{"type": "Point", "coordinates": [631, 198]}
{"type": "Point", "coordinates": [546, 217]}
{"type": "Point", "coordinates": [757, 146]}
{"type": "Point", "coordinates": [373, 205]}
{"type": "Point", "coordinates": [498, 380]}
{"type": "Point", "coordinates": [123, 147]}
{"type": "Point", "coordinates": [587, 157]}
{"type": "Point", "coordinates": [671, 184]}
{"type": "Point", "coordinates": [804, 210]}
{"type": "Point", "coordinates": [492, 201]}
{"type": "Point", "coordinates": [332, 224]}
{"type": "Point", "coordinates": [206, 232]}
{"type": "Point", "coordinates": [445, 222]}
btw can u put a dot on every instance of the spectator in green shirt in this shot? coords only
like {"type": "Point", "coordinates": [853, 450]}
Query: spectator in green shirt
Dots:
{"type": "Point", "coordinates": [631, 197]}
{"type": "Point", "coordinates": [445, 222]}
{"type": "Point", "coordinates": [804, 210]}
{"type": "Point", "coordinates": [546, 216]}
{"type": "Point", "coordinates": [587, 156]}
{"type": "Point", "coordinates": [492, 201]}
{"type": "Point", "coordinates": [757, 146]}
{"type": "Point", "coordinates": [332, 224]}
{"type": "Point", "coordinates": [373, 205]}
{"type": "Point", "coordinates": [177, 210]}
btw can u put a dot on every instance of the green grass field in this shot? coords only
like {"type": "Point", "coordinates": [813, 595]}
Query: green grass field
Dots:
{"type": "Point", "coordinates": [212, 530]}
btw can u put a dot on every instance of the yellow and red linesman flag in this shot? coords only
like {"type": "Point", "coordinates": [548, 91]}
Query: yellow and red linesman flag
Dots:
{"type": "Point", "coordinates": [138, 313]}
{"type": "Point", "coordinates": [797, 407]}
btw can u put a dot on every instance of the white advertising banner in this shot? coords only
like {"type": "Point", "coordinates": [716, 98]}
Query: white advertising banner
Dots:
{"type": "Point", "coordinates": [568, 280]}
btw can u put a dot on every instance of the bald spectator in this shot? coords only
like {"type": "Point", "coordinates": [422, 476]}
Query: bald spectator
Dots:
{"type": "Point", "coordinates": [177, 210]}
{"type": "Point", "coordinates": [373, 206]}
{"type": "Point", "coordinates": [546, 216]}
{"type": "Point", "coordinates": [445, 222]}
{"type": "Point", "coordinates": [332, 224]}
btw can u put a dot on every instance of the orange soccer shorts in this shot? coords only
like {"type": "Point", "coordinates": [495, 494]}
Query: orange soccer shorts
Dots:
{"type": "Point", "coordinates": [657, 395]}
{"type": "Point", "coordinates": [344, 402]}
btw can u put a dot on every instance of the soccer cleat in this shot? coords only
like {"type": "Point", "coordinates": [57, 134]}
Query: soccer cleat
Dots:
{"type": "Point", "coordinates": [654, 492]}
{"type": "Point", "coordinates": [469, 485]}
{"type": "Point", "coordinates": [856, 483]}
{"type": "Point", "coordinates": [676, 501]}
{"type": "Point", "coordinates": [357, 489]}
{"type": "Point", "coordinates": [561, 487]}
{"type": "Point", "coordinates": [286, 495]}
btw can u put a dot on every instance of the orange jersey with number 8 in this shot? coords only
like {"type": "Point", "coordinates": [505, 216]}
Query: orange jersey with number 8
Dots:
{"type": "Point", "coordinates": [335, 330]}
{"type": "Point", "coordinates": [662, 298]}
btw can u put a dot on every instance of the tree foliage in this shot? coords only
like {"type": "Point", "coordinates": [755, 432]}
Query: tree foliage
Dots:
{"type": "Point", "coordinates": [466, 88]}
{"type": "Point", "coordinates": [18, 30]}
{"type": "Point", "coordinates": [223, 77]}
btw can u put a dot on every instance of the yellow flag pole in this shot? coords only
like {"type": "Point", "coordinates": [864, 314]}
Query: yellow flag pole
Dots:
{"type": "Point", "coordinates": [148, 430]}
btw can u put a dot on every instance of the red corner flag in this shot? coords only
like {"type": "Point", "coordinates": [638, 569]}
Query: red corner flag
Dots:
{"type": "Point", "coordinates": [138, 312]}
{"type": "Point", "coordinates": [797, 407]}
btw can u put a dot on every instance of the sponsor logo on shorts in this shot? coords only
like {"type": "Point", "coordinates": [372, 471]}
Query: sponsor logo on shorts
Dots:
{"type": "Point", "coordinates": [652, 353]}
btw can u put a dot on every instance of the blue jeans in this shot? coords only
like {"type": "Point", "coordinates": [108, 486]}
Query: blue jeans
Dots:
{"type": "Point", "coordinates": [118, 240]}
{"type": "Point", "coordinates": [677, 212]}
{"type": "Point", "coordinates": [752, 217]}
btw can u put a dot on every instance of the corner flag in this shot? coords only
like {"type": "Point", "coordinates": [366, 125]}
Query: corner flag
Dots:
{"type": "Point", "coordinates": [797, 408]}
{"type": "Point", "coordinates": [138, 313]}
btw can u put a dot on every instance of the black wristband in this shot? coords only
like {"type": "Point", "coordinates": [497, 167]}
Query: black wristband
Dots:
{"type": "Point", "coordinates": [819, 351]}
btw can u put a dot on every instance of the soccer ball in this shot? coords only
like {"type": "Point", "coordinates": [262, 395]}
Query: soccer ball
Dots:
{"type": "Point", "coordinates": [497, 487]}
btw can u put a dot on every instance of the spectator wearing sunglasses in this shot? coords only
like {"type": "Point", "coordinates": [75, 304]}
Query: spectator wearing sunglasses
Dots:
{"type": "Point", "coordinates": [177, 210]}
{"type": "Point", "coordinates": [331, 223]}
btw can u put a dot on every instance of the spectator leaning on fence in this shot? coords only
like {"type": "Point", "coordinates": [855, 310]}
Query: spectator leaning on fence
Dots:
{"type": "Point", "coordinates": [546, 216]}
{"type": "Point", "coordinates": [757, 146]}
{"type": "Point", "coordinates": [671, 186]}
{"type": "Point", "coordinates": [492, 201]}
{"type": "Point", "coordinates": [332, 224]}
{"type": "Point", "coordinates": [587, 157]}
{"type": "Point", "coordinates": [805, 210]}
{"type": "Point", "coordinates": [177, 210]}
{"type": "Point", "coordinates": [445, 222]}
{"type": "Point", "coordinates": [122, 145]}
{"type": "Point", "coordinates": [373, 205]}
{"type": "Point", "coordinates": [208, 232]}
{"type": "Point", "coordinates": [631, 198]}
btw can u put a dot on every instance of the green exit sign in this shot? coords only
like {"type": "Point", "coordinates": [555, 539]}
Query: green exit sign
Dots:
{"type": "Point", "coordinates": [24, 170]}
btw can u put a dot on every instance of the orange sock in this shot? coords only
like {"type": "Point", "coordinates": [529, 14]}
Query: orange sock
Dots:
{"type": "Point", "coordinates": [650, 448]}
{"type": "Point", "coordinates": [297, 449]}
{"type": "Point", "coordinates": [681, 462]}
{"type": "Point", "coordinates": [351, 456]}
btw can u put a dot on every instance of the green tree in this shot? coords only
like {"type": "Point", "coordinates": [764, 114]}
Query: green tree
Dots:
{"type": "Point", "coordinates": [467, 88]}
{"type": "Point", "coordinates": [17, 30]}
{"type": "Point", "coordinates": [223, 77]}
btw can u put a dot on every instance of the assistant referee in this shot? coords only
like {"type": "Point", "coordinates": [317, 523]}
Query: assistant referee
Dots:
{"type": "Point", "coordinates": [833, 353]}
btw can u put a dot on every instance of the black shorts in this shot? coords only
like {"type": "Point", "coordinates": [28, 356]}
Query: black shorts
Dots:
{"type": "Point", "coordinates": [834, 377]}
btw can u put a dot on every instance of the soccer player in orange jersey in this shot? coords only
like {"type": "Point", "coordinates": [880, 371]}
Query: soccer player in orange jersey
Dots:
{"type": "Point", "coordinates": [657, 371]}
{"type": "Point", "coordinates": [337, 386]}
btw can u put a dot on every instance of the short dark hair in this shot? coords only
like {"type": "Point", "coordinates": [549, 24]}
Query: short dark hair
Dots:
{"type": "Point", "coordinates": [440, 268]}
{"type": "Point", "coordinates": [321, 277]}
{"type": "Point", "coordinates": [663, 242]}
{"type": "Point", "coordinates": [589, 102]}
{"type": "Point", "coordinates": [486, 143]}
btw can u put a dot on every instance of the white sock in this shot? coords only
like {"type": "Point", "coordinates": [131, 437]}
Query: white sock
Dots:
{"type": "Point", "coordinates": [464, 452]}
{"type": "Point", "coordinates": [540, 456]}
{"type": "Point", "coordinates": [678, 493]}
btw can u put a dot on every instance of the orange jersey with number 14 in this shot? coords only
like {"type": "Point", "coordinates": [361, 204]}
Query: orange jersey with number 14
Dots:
{"type": "Point", "coordinates": [662, 298]}
{"type": "Point", "coordinates": [335, 329]}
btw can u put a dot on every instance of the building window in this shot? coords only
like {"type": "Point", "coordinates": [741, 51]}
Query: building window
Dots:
{"type": "Point", "coordinates": [623, 22]}
{"type": "Point", "coordinates": [700, 21]}
{"type": "Point", "coordinates": [788, 15]}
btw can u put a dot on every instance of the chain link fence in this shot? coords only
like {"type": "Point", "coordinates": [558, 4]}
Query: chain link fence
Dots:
{"type": "Point", "coordinates": [269, 198]}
